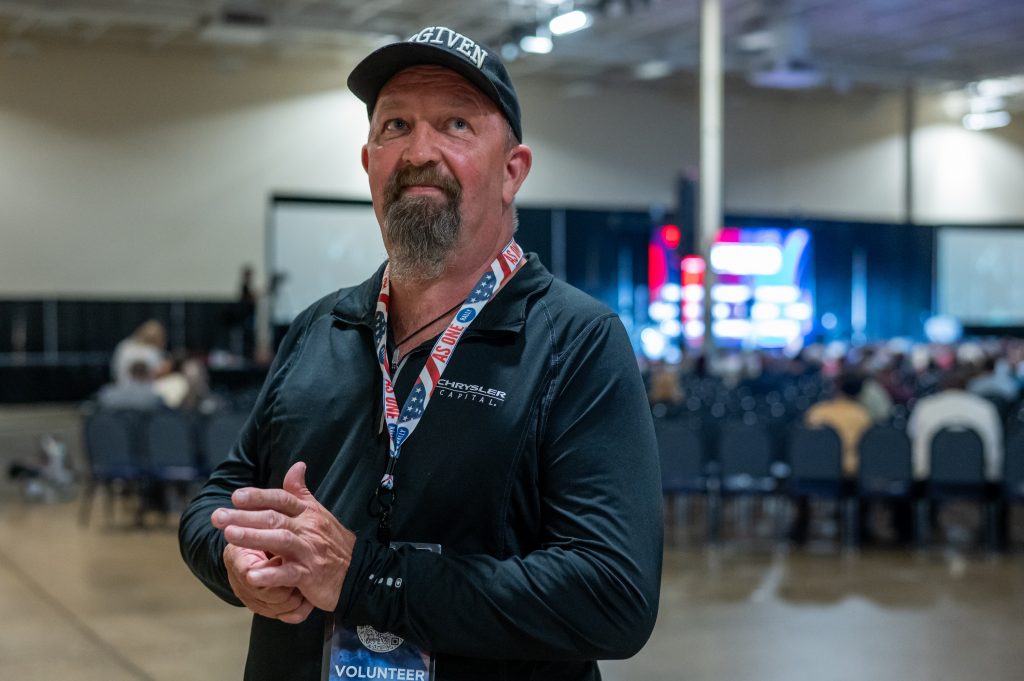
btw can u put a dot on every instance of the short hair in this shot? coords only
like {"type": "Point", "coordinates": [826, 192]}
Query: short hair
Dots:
{"type": "Point", "coordinates": [511, 141]}
{"type": "Point", "coordinates": [850, 384]}
{"type": "Point", "coordinates": [139, 371]}
{"type": "Point", "coordinates": [955, 379]}
{"type": "Point", "coordinates": [151, 332]}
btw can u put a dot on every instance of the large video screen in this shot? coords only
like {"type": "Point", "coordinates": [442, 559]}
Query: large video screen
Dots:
{"type": "Point", "coordinates": [316, 246]}
{"type": "Point", "coordinates": [980, 275]}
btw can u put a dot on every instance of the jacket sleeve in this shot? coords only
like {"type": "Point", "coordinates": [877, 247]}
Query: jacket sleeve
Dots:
{"type": "Point", "coordinates": [590, 589]}
{"type": "Point", "coordinates": [200, 543]}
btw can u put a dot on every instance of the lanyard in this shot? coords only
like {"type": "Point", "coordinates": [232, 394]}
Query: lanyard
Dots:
{"type": "Point", "coordinates": [402, 422]}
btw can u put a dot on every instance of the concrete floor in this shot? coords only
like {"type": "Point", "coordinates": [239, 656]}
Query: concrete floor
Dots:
{"type": "Point", "coordinates": [109, 602]}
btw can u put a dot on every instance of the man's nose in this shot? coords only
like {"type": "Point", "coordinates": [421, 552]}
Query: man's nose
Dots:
{"type": "Point", "coordinates": [422, 148]}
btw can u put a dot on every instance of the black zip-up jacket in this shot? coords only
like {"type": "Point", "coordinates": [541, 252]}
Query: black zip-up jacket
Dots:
{"type": "Point", "coordinates": [534, 467]}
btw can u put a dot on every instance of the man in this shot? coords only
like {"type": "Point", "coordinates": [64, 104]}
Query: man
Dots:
{"type": "Point", "coordinates": [147, 344]}
{"type": "Point", "coordinates": [136, 392]}
{"type": "Point", "coordinates": [954, 407]}
{"type": "Point", "coordinates": [849, 419]}
{"type": "Point", "coordinates": [527, 449]}
{"type": "Point", "coordinates": [844, 414]}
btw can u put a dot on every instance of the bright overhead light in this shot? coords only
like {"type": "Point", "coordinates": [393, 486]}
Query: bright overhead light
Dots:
{"type": "Point", "coordinates": [536, 44]}
{"type": "Point", "coordinates": [570, 22]}
{"type": "Point", "coordinates": [758, 41]}
{"type": "Point", "coordinates": [1000, 87]}
{"type": "Point", "coordinates": [987, 120]}
{"type": "Point", "coordinates": [984, 104]}
{"type": "Point", "coordinates": [653, 70]}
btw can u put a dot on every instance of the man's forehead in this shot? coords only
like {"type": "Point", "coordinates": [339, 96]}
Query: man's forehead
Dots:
{"type": "Point", "coordinates": [437, 78]}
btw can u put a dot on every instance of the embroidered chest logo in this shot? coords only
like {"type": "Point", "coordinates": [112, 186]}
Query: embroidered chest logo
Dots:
{"type": "Point", "coordinates": [455, 390]}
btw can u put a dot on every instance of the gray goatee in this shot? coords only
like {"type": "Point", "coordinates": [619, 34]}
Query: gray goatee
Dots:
{"type": "Point", "coordinates": [422, 231]}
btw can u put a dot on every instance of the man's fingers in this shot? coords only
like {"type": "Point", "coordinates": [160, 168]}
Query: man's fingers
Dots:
{"type": "Point", "coordinates": [278, 542]}
{"type": "Point", "coordinates": [285, 575]}
{"type": "Point", "coordinates": [295, 480]}
{"type": "Point", "coordinates": [269, 562]}
{"type": "Point", "coordinates": [243, 559]}
{"type": "Point", "coordinates": [255, 499]}
{"type": "Point", "coordinates": [265, 519]}
{"type": "Point", "coordinates": [298, 615]}
{"type": "Point", "coordinates": [281, 600]}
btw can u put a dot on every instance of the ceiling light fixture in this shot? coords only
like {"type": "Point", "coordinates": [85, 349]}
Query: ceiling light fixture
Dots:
{"type": "Point", "coordinates": [653, 70]}
{"type": "Point", "coordinates": [1000, 87]}
{"type": "Point", "coordinates": [570, 22]}
{"type": "Point", "coordinates": [986, 108]}
{"type": "Point", "coordinates": [987, 120]}
{"type": "Point", "coordinates": [536, 44]}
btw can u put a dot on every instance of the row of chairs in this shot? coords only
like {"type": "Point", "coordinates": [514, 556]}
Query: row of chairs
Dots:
{"type": "Point", "coordinates": [745, 464]}
{"type": "Point", "coordinates": [149, 452]}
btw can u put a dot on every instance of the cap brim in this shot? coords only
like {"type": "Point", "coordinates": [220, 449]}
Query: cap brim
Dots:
{"type": "Point", "coordinates": [370, 75]}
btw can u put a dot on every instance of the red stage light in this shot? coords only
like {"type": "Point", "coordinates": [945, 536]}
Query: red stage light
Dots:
{"type": "Point", "coordinates": [671, 235]}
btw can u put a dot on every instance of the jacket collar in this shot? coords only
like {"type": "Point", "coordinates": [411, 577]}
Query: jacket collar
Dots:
{"type": "Point", "coordinates": [507, 312]}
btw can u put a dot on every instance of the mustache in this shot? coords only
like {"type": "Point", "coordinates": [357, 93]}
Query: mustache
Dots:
{"type": "Point", "coordinates": [421, 175]}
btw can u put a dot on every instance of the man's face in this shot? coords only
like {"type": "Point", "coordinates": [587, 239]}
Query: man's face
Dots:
{"type": "Point", "coordinates": [436, 159]}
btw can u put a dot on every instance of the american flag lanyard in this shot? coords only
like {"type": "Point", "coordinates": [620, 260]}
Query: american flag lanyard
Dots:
{"type": "Point", "coordinates": [402, 422]}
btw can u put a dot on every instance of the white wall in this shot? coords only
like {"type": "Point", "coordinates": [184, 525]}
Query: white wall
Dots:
{"type": "Point", "coordinates": [818, 154]}
{"type": "Point", "coordinates": [131, 172]}
{"type": "Point", "coordinates": [149, 174]}
{"type": "Point", "coordinates": [967, 177]}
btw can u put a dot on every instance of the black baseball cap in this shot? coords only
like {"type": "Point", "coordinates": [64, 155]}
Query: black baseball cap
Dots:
{"type": "Point", "coordinates": [446, 47]}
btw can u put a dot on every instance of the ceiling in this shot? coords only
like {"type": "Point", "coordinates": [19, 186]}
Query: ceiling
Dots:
{"type": "Point", "coordinates": [785, 43]}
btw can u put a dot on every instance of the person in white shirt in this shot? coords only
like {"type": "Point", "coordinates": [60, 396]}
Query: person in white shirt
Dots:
{"type": "Point", "coordinates": [136, 393]}
{"type": "Point", "coordinates": [148, 345]}
{"type": "Point", "coordinates": [955, 407]}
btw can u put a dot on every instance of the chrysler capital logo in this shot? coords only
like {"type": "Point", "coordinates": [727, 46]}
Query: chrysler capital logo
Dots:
{"type": "Point", "coordinates": [471, 392]}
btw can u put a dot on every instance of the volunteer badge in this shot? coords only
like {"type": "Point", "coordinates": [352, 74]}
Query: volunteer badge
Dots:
{"type": "Point", "coordinates": [362, 652]}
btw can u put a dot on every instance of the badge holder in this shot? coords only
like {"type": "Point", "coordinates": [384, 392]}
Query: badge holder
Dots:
{"type": "Point", "coordinates": [362, 652]}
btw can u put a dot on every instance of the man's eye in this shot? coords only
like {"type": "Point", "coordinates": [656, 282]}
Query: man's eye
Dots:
{"type": "Point", "coordinates": [460, 124]}
{"type": "Point", "coordinates": [396, 124]}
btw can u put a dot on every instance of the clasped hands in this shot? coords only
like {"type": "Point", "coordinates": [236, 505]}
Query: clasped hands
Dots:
{"type": "Point", "coordinates": [286, 554]}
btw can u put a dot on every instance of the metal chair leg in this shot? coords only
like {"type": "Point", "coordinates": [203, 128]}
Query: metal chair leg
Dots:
{"type": "Point", "coordinates": [851, 509]}
{"type": "Point", "coordinates": [922, 522]}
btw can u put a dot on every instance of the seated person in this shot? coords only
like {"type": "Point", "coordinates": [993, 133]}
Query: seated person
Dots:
{"type": "Point", "coordinates": [135, 393]}
{"type": "Point", "coordinates": [147, 344]}
{"type": "Point", "coordinates": [952, 407]}
{"type": "Point", "coordinates": [185, 385]}
{"type": "Point", "coordinates": [845, 415]}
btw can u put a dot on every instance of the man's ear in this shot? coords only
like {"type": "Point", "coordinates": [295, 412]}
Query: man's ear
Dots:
{"type": "Point", "coordinates": [365, 156]}
{"type": "Point", "coordinates": [517, 167]}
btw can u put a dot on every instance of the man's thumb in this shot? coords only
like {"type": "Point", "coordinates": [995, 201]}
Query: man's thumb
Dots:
{"type": "Point", "coordinates": [295, 480]}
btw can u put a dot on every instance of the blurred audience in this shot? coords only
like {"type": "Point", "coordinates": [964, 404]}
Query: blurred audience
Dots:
{"type": "Point", "coordinates": [953, 406]}
{"type": "Point", "coordinates": [995, 381]}
{"type": "Point", "coordinates": [665, 392]}
{"type": "Point", "coordinates": [844, 414]}
{"type": "Point", "coordinates": [137, 392]}
{"type": "Point", "coordinates": [146, 345]}
{"type": "Point", "coordinates": [185, 386]}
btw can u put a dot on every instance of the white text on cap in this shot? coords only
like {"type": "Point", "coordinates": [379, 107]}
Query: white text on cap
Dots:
{"type": "Point", "coordinates": [454, 39]}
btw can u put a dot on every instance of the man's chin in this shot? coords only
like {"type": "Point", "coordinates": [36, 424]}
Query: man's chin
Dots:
{"type": "Point", "coordinates": [415, 270]}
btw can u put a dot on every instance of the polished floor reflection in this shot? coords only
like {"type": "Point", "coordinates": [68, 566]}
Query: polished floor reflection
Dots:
{"type": "Point", "coordinates": [111, 602]}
